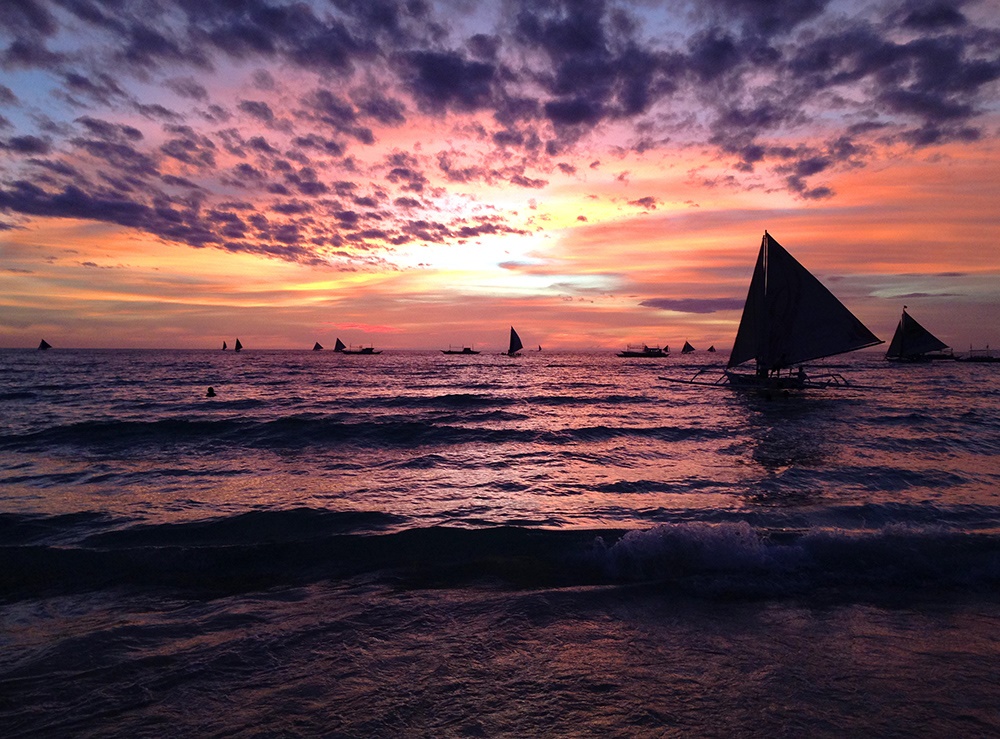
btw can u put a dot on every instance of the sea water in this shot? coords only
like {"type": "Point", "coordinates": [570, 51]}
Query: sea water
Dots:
{"type": "Point", "coordinates": [560, 544]}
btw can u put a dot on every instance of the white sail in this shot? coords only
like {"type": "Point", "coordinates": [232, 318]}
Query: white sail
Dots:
{"type": "Point", "coordinates": [790, 317]}
{"type": "Point", "coordinates": [515, 342]}
{"type": "Point", "coordinates": [912, 340]}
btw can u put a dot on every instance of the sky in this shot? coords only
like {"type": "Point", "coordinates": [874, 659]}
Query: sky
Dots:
{"type": "Point", "coordinates": [420, 174]}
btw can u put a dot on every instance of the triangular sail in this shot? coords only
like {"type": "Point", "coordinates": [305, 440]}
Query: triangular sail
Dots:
{"type": "Point", "coordinates": [44, 345]}
{"type": "Point", "coordinates": [339, 346]}
{"type": "Point", "coordinates": [317, 346]}
{"type": "Point", "coordinates": [790, 317]}
{"type": "Point", "coordinates": [711, 348]}
{"type": "Point", "coordinates": [224, 346]}
{"type": "Point", "coordinates": [238, 346]}
{"type": "Point", "coordinates": [911, 339]}
{"type": "Point", "coordinates": [687, 349]}
{"type": "Point", "coordinates": [515, 342]}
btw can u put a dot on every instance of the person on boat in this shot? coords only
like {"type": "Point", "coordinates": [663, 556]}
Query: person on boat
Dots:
{"type": "Point", "coordinates": [210, 393]}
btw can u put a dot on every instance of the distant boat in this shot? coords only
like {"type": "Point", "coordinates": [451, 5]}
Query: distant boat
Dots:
{"type": "Point", "coordinates": [359, 350]}
{"type": "Point", "coordinates": [539, 347]}
{"type": "Point", "coordinates": [224, 346]}
{"type": "Point", "coordinates": [646, 352]}
{"type": "Point", "coordinates": [515, 343]}
{"type": "Point", "coordinates": [44, 345]}
{"type": "Point", "coordinates": [317, 346]}
{"type": "Point", "coordinates": [238, 347]}
{"type": "Point", "coordinates": [789, 318]}
{"type": "Point", "coordinates": [687, 348]}
{"type": "Point", "coordinates": [463, 350]}
{"type": "Point", "coordinates": [339, 346]}
{"type": "Point", "coordinates": [980, 355]}
{"type": "Point", "coordinates": [913, 343]}
{"type": "Point", "coordinates": [711, 349]}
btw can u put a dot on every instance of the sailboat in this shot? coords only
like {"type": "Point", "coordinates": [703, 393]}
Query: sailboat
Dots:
{"type": "Point", "coordinates": [317, 346]}
{"type": "Point", "coordinates": [339, 346]}
{"type": "Point", "coordinates": [711, 349]}
{"type": "Point", "coordinates": [515, 343]}
{"type": "Point", "coordinates": [224, 346]}
{"type": "Point", "coordinates": [687, 348]}
{"type": "Point", "coordinates": [44, 345]}
{"type": "Point", "coordinates": [913, 343]}
{"type": "Point", "coordinates": [238, 347]}
{"type": "Point", "coordinates": [789, 318]}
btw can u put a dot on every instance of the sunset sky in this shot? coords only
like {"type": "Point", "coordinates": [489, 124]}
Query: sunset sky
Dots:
{"type": "Point", "coordinates": [418, 174]}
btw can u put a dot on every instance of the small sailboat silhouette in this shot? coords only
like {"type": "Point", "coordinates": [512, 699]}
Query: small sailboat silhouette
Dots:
{"type": "Point", "coordinates": [44, 345]}
{"type": "Point", "coordinates": [914, 343]}
{"type": "Point", "coordinates": [712, 348]}
{"type": "Point", "coordinates": [238, 347]}
{"type": "Point", "coordinates": [687, 349]}
{"type": "Point", "coordinates": [317, 346]}
{"type": "Point", "coordinates": [515, 343]}
{"type": "Point", "coordinates": [339, 346]}
{"type": "Point", "coordinates": [224, 346]}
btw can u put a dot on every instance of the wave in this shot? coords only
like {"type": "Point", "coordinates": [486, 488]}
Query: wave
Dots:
{"type": "Point", "coordinates": [301, 431]}
{"type": "Point", "coordinates": [266, 549]}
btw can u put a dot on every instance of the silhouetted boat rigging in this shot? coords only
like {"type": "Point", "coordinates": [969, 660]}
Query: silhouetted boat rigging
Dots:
{"type": "Point", "coordinates": [463, 350]}
{"type": "Point", "coordinates": [339, 346]}
{"type": "Point", "coordinates": [914, 343]}
{"type": "Point", "coordinates": [515, 343]}
{"type": "Point", "coordinates": [687, 348]}
{"type": "Point", "coordinates": [789, 318]}
{"type": "Point", "coordinates": [646, 352]}
{"type": "Point", "coordinates": [238, 347]}
{"type": "Point", "coordinates": [44, 345]}
{"type": "Point", "coordinates": [317, 346]}
{"type": "Point", "coordinates": [980, 355]}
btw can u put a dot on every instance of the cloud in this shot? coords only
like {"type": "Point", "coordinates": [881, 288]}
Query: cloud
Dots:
{"type": "Point", "coordinates": [143, 105]}
{"type": "Point", "coordinates": [694, 305]}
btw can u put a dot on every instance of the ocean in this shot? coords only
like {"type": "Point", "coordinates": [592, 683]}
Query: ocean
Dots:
{"type": "Point", "coordinates": [561, 544]}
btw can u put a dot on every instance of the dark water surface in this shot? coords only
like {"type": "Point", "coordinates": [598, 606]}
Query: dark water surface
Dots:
{"type": "Point", "coordinates": [561, 544]}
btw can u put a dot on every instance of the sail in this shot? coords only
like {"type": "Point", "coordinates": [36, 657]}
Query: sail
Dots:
{"type": "Point", "coordinates": [911, 339]}
{"type": "Point", "coordinates": [238, 346]}
{"type": "Point", "coordinates": [317, 346]}
{"type": "Point", "coordinates": [712, 348]}
{"type": "Point", "coordinates": [515, 342]}
{"type": "Point", "coordinates": [687, 349]}
{"type": "Point", "coordinates": [790, 317]}
{"type": "Point", "coordinates": [44, 345]}
{"type": "Point", "coordinates": [224, 346]}
{"type": "Point", "coordinates": [339, 346]}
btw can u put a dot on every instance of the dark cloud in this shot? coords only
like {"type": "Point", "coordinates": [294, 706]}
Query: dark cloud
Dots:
{"type": "Point", "coordinates": [445, 80]}
{"type": "Point", "coordinates": [188, 87]}
{"type": "Point", "coordinates": [26, 145]}
{"type": "Point", "coordinates": [258, 109]}
{"type": "Point", "coordinates": [694, 305]}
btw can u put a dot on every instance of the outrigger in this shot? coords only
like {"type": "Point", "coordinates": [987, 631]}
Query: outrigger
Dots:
{"type": "Point", "coordinates": [789, 318]}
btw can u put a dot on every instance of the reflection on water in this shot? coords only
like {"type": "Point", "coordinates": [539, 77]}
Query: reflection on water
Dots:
{"type": "Point", "coordinates": [566, 440]}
